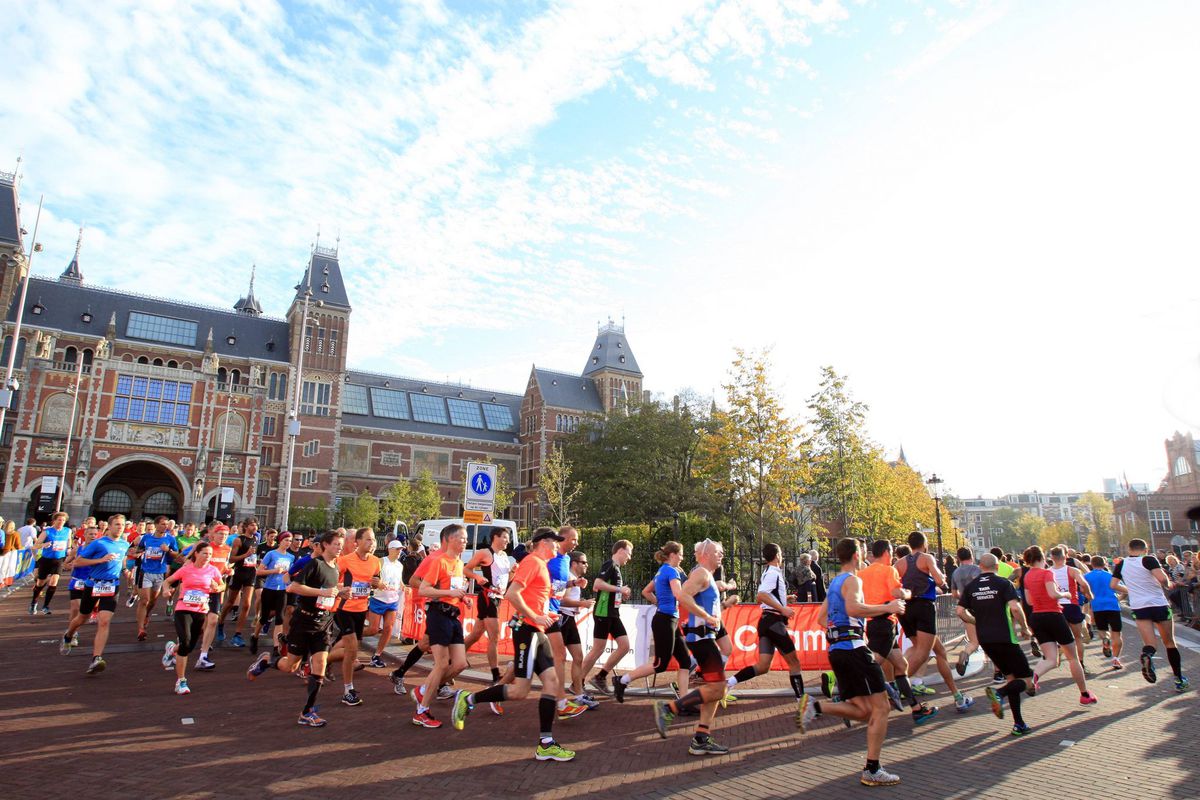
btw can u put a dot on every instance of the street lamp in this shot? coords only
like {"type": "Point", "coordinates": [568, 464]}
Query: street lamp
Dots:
{"type": "Point", "coordinates": [10, 384]}
{"type": "Point", "coordinates": [293, 430]}
{"type": "Point", "coordinates": [935, 482]}
{"type": "Point", "coordinates": [221, 462]}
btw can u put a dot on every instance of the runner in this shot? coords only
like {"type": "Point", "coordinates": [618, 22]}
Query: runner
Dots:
{"type": "Point", "coordinates": [989, 604]}
{"type": "Point", "coordinates": [859, 679]}
{"type": "Point", "coordinates": [198, 582]}
{"type": "Point", "coordinates": [316, 587]}
{"type": "Point", "coordinates": [445, 587]}
{"type": "Point", "coordinates": [381, 610]}
{"type": "Point", "coordinates": [1148, 586]}
{"type": "Point", "coordinates": [919, 574]}
{"type": "Point", "coordinates": [966, 572]}
{"type": "Point", "coordinates": [773, 630]}
{"type": "Point", "coordinates": [1004, 567]}
{"type": "Point", "coordinates": [610, 590]}
{"type": "Point", "coordinates": [880, 586]}
{"type": "Point", "coordinates": [54, 544]}
{"type": "Point", "coordinates": [700, 597]}
{"type": "Point", "coordinates": [273, 570]}
{"type": "Point", "coordinates": [105, 556]}
{"type": "Point", "coordinates": [1106, 608]}
{"type": "Point", "coordinates": [1049, 625]}
{"type": "Point", "coordinates": [219, 559]}
{"type": "Point", "coordinates": [269, 541]}
{"type": "Point", "coordinates": [244, 560]}
{"type": "Point", "coordinates": [570, 606]}
{"type": "Point", "coordinates": [1074, 591]}
{"type": "Point", "coordinates": [77, 580]}
{"type": "Point", "coordinates": [156, 551]}
{"type": "Point", "coordinates": [359, 570]}
{"type": "Point", "coordinates": [491, 582]}
{"type": "Point", "coordinates": [664, 592]}
{"type": "Point", "coordinates": [560, 580]}
{"type": "Point", "coordinates": [529, 594]}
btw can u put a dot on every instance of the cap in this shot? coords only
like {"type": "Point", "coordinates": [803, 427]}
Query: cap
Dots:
{"type": "Point", "coordinates": [395, 544]}
{"type": "Point", "coordinates": [547, 535]}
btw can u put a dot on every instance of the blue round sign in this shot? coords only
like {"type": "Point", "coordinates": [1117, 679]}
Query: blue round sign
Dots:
{"type": "Point", "coordinates": [481, 483]}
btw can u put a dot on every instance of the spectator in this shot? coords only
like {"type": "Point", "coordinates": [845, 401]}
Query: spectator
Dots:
{"type": "Point", "coordinates": [1177, 573]}
{"type": "Point", "coordinates": [816, 568]}
{"type": "Point", "coordinates": [28, 533]}
{"type": "Point", "coordinates": [806, 580]}
{"type": "Point", "coordinates": [414, 554]}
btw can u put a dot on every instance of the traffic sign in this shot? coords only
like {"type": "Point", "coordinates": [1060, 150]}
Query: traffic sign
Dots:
{"type": "Point", "coordinates": [477, 517]}
{"type": "Point", "coordinates": [481, 487]}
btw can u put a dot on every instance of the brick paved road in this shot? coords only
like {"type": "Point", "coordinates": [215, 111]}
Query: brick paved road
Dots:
{"type": "Point", "coordinates": [121, 734]}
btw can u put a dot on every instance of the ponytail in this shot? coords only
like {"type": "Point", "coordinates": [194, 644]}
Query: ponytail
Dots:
{"type": "Point", "coordinates": [667, 550]}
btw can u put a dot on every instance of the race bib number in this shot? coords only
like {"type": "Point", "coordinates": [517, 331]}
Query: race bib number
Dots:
{"type": "Point", "coordinates": [59, 546]}
{"type": "Point", "coordinates": [251, 560]}
{"type": "Point", "coordinates": [104, 588]}
{"type": "Point", "coordinates": [325, 603]}
{"type": "Point", "coordinates": [360, 589]}
{"type": "Point", "coordinates": [559, 588]}
{"type": "Point", "coordinates": [458, 582]}
{"type": "Point", "coordinates": [196, 597]}
{"type": "Point", "coordinates": [154, 555]}
{"type": "Point", "coordinates": [78, 585]}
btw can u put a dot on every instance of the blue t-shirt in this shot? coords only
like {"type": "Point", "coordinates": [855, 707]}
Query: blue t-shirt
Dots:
{"type": "Point", "coordinates": [667, 604]}
{"type": "Point", "coordinates": [107, 570]}
{"type": "Point", "coordinates": [155, 561]}
{"type": "Point", "coordinates": [57, 541]}
{"type": "Point", "coordinates": [1105, 598]}
{"type": "Point", "coordinates": [560, 574]}
{"type": "Point", "coordinates": [274, 560]}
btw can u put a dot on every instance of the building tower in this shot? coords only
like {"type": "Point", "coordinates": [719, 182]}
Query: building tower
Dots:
{"type": "Point", "coordinates": [613, 369]}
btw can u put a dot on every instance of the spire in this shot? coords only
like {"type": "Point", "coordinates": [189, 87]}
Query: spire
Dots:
{"type": "Point", "coordinates": [72, 274]}
{"type": "Point", "coordinates": [111, 332]}
{"type": "Point", "coordinates": [323, 277]}
{"type": "Point", "coordinates": [249, 304]}
{"type": "Point", "coordinates": [611, 352]}
{"type": "Point", "coordinates": [900, 459]}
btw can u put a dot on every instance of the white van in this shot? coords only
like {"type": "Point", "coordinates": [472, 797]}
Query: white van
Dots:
{"type": "Point", "coordinates": [478, 536]}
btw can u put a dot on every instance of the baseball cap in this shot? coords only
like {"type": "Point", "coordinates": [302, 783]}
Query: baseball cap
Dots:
{"type": "Point", "coordinates": [395, 544]}
{"type": "Point", "coordinates": [547, 535]}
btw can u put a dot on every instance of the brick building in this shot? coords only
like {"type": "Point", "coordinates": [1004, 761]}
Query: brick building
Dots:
{"type": "Point", "coordinates": [171, 400]}
{"type": "Point", "coordinates": [1163, 512]}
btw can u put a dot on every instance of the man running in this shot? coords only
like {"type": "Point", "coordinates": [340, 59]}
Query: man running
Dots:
{"type": "Point", "coordinates": [78, 577]}
{"type": "Point", "coordinates": [445, 587]}
{"type": "Point", "coordinates": [156, 551]}
{"type": "Point", "coordinates": [919, 574]}
{"type": "Point", "coordinates": [989, 604]}
{"type": "Point", "coordinates": [244, 560]}
{"type": "Point", "coordinates": [773, 630]}
{"type": "Point", "coordinates": [1074, 590]}
{"type": "Point", "coordinates": [859, 679]}
{"type": "Point", "coordinates": [1148, 587]}
{"type": "Point", "coordinates": [1106, 608]}
{"type": "Point", "coordinates": [529, 595]}
{"type": "Point", "coordinates": [571, 604]}
{"type": "Point", "coordinates": [1049, 625]}
{"type": "Point", "coordinates": [55, 543]}
{"type": "Point", "coordinates": [610, 590]}
{"type": "Point", "coordinates": [702, 600]}
{"type": "Point", "coordinates": [359, 570]}
{"type": "Point", "coordinates": [105, 556]}
{"type": "Point", "coordinates": [492, 566]}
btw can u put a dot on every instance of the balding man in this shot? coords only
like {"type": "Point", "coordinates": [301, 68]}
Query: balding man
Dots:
{"type": "Point", "coordinates": [991, 604]}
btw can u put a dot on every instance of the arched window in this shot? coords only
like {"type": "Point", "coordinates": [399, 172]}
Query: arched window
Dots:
{"type": "Point", "coordinates": [283, 386]}
{"type": "Point", "coordinates": [20, 360]}
{"type": "Point", "coordinates": [1182, 467]}
{"type": "Point", "coordinates": [158, 362]}
{"type": "Point", "coordinates": [143, 360]}
{"type": "Point", "coordinates": [235, 377]}
{"type": "Point", "coordinates": [271, 392]}
{"type": "Point", "coordinates": [160, 503]}
{"type": "Point", "coordinates": [222, 375]}
{"type": "Point", "coordinates": [70, 354]}
{"type": "Point", "coordinates": [87, 356]}
{"type": "Point", "coordinates": [113, 501]}
{"type": "Point", "coordinates": [173, 364]}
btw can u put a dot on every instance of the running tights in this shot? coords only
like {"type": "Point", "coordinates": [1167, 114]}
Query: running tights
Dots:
{"type": "Point", "coordinates": [189, 628]}
{"type": "Point", "coordinates": [1172, 657]}
{"type": "Point", "coordinates": [1013, 690]}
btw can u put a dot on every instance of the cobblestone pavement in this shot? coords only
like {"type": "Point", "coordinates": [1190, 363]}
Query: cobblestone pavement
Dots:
{"type": "Point", "coordinates": [124, 734]}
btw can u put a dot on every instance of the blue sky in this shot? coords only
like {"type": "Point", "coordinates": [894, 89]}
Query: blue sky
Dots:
{"type": "Point", "coordinates": [980, 211]}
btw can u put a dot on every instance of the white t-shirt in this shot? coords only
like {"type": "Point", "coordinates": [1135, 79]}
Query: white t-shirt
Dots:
{"type": "Point", "coordinates": [773, 583]}
{"type": "Point", "coordinates": [502, 565]}
{"type": "Point", "coordinates": [391, 578]}
{"type": "Point", "coordinates": [1136, 573]}
{"type": "Point", "coordinates": [29, 534]}
{"type": "Point", "coordinates": [572, 593]}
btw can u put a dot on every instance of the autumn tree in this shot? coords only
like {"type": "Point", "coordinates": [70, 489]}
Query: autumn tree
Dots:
{"type": "Point", "coordinates": [360, 511]}
{"type": "Point", "coordinates": [1095, 513]}
{"type": "Point", "coordinates": [847, 482]}
{"type": "Point", "coordinates": [559, 492]}
{"type": "Point", "coordinates": [426, 500]}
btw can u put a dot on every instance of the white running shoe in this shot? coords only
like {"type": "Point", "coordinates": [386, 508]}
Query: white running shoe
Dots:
{"type": "Point", "coordinates": [168, 659]}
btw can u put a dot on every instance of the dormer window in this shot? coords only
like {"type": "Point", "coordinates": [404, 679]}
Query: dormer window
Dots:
{"type": "Point", "coordinates": [622, 359]}
{"type": "Point", "coordinates": [595, 359]}
{"type": "Point", "coordinates": [231, 340]}
{"type": "Point", "coordinates": [86, 317]}
{"type": "Point", "coordinates": [38, 308]}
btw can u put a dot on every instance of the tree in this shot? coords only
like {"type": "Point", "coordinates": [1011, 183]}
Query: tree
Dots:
{"type": "Point", "coordinates": [426, 499]}
{"type": "Point", "coordinates": [559, 492]}
{"type": "Point", "coordinates": [846, 479]}
{"type": "Point", "coordinates": [1027, 529]}
{"type": "Point", "coordinates": [1095, 514]}
{"type": "Point", "coordinates": [1061, 532]}
{"type": "Point", "coordinates": [1000, 528]}
{"type": "Point", "coordinates": [360, 511]}
{"type": "Point", "coordinates": [396, 503]}
{"type": "Point", "coordinates": [309, 518]}
{"type": "Point", "coordinates": [504, 492]}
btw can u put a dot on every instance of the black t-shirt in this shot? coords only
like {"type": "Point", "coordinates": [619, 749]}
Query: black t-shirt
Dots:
{"type": "Point", "coordinates": [606, 602]}
{"type": "Point", "coordinates": [244, 544]}
{"type": "Point", "coordinates": [318, 574]}
{"type": "Point", "coordinates": [263, 549]}
{"type": "Point", "coordinates": [987, 598]}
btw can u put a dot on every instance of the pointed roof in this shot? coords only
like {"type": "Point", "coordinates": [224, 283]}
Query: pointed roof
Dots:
{"type": "Point", "coordinates": [10, 217]}
{"type": "Point", "coordinates": [72, 274]}
{"type": "Point", "coordinates": [900, 459]}
{"type": "Point", "coordinates": [249, 304]}
{"type": "Point", "coordinates": [563, 390]}
{"type": "Point", "coordinates": [324, 278]}
{"type": "Point", "coordinates": [611, 352]}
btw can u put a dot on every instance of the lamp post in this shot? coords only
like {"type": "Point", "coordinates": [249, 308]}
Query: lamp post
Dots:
{"type": "Point", "coordinates": [936, 482]}
{"type": "Point", "coordinates": [294, 414]}
{"type": "Point", "coordinates": [10, 384]}
{"type": "Point", "coordinates": [221, 460]}
{"type": "Point", "coordinates": [62, 478]}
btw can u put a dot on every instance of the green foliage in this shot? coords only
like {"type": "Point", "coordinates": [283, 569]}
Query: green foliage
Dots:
{"type": "Point", "coordinates": [426, 500]}
{"type": "Point", "coordinates": [311, 519]}
{"type": "Point", "coordinates": [559, 492]}
{"type": "Point", "coordinates": [505, 494]}
{"type": "Point", "coordinates": [361, 511]}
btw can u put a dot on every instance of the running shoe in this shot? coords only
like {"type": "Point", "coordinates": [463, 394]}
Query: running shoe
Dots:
{"type": "Point", "coordinates": [168, 654]}
{"type": "Point", "coordinates": [444, 692]}
{"type": "Point", "coordinates": [1116, 663]}
{"type": "Point", "coordinates": [204, 664]}
{"type": "Point", "coordinates": [921, 690]}
{"type": "Point", "coordinates": [131, 601]}
{"type": "Point", "coordinates": [141, 637]}
{"type": "Point", "coordinates": [305, 671]}
{"type": "Point", "coordinates": [1033, 648]}
{"type": "Point", "coordinates": [398, 686]}
{"type": "Point", "coordinates": [827, 681]}
{"type": "Point", "coordinates": [570, 709]}
{"type": "Point", "coordinates": [1091, 633]}
{"type": "Point", "coordinates": [553, 752]}
{"type": "Point", "coordinates": [221, 632]}
{"type": "Point", "coordinates": [1182, 684]}
{"type": "Point", "coordinates": [894, 696]}
{"type": "Point", "coordinates": [587, 701]}
{"type": "Point", "coordinates": [673, 684]}
{"type": "Point", "coordinates": [997, 702]}
{"type": "Point", "coordinates": [1106, 648]}
{"type": "Point", "coordinates": [181, 686]}
{"type": "Point", "coordinates": [1033, 685]}
{"type": "Point", "coordinates": [170, 665]}
{"type": "Point", "coordinates": [426, 720]}
{"type": "Point", "coordinates": [418, 694]}
{"type": "Point", "coordinates": [460, 710]}
{"type": "Point", "coordinates": [707, 747]}
{"type": "Point", "coordinates": [46, 612]}
{"type": "Point", "coordinates": [1148, 668]}
{"type": "Point", "coordinates": [237, 641]}
{"type": "Point", "coordinates": [33, 608]}
{"type": "Point", "coordinates": [663, 717]}
{"type": "Point", "coordinates": [997, 677]}
{"type": "Point", "coordinates": [351, 698]}
{"type": "Point", "coordinates": [600, 685]}
{"type": "Point", "coordinates": [963, 703]}
{"type": "Point", "coordinates": [64, 646]}
{"type": "Point", "coordinates": [805, 713]}
{"type": "Point", "coordinates": [619, 690]}
{"type": "Point", "coordinates": [923, 713]}
{"type": "Point", "coordinates": [377, 662]}
{"type": "Point", "coordinates": [75, 640]}
{"type": "Point", "coordinates": [729, 697]}
{"type": "Point", "coordinates": [879, 777]}
{"type": "Point", "coordinates": [960, 666]}
{"type": "Point", "coordinates": [253, 644]}
{"type": "Point", "coordinates": [1021, 730]}
{"type": "Point", "coordinates": [310, 719]}
{"type": "Point", "coordinates": [97, 665]}
{"type": "Point", "coordinates": [1087, 699]}
{"type": "Point", "coordinates": [260, 665]}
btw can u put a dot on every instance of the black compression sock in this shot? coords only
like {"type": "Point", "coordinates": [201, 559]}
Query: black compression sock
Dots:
{"type": "Point", "coordinates": [692, 699]}
{"type": "Point", "coordinates": [797, 682]}
{"type": "Point", "coordinates": [601, 675]}
{"type": "Point", "coordinates": [1015, 690]}
{"type": "Point", "coordinates": [37, 590]}
{"type": "Point", "coordinates": [547, 708]}
{"type": "Point", "coordinates": [745, 673]}
{"type": "Point", "coordinates": [495, 675]}
{"type": "Point", "coordinates": [905, 689]}
{"type": "Point", "coordinates": [817, 707]}
{"type": "Point", "coordinates": [1172, 658]}
{"type": "Point", "coordinates": [1148, 650]}
{"type": "Point", "coordinates": [314, 688]}
{"type": "Point", "coordinates": [492, 694]}
{"type": "Point", "coordinates": [50, 596]}
{"type": "Point", "coordinates": [872, 765]}
{"type": "Point", "coordinates": [414, 656]}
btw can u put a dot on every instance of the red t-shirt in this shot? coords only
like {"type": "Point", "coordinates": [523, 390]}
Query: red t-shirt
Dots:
{"type": "Point", "coordinates": [534, 577]}
{"type": "Point", "coordinates": [1036, 594]}
{"type": "Point", "coordinates": [445, 572]}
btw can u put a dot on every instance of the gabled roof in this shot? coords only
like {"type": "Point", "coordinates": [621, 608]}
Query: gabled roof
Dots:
{"type": "Point", "coordinates": [441, 392]}
{"type": "Point", "coordinates": [563, 390]}
{"type": "Point", "coordinates": [325, 275]}
{"type": "Point", "coordinates": [10, 220]}
{"type": "Point", "coordinates": [611, 352]}
{"type": "Point", "coordinates": [64, 305]}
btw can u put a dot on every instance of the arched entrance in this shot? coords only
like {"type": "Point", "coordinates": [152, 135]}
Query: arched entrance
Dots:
{"type": "Point", "coordinates": [138, 489]}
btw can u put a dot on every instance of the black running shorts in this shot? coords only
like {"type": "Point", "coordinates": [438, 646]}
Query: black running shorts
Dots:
{"type": "Point", "coordinates": [773, 635]}
{"type": "Point", "coordinates": [47, 567]}
{"type": "Point", "coordinates": [881, 636]}
{"type": "Point", "coordinates": [443, 630]}
{"type": "Point", "coordinates": [1050, 627]}
{"type": "Point", "coordinates": [88, 603]}
{"type": "Point", "coordinates": [920, 616]}
{"type": "Point", "coordinates": [488, 608]}
{"type": "Point", "coordinates": [1007, 657]}
{"type": "Point", "coordinates": [569, 631]}
{"type": "Point", "coordinates": [1153, 613]}
{"type": "Point", "coordinates": [1074, 614]}
{"type": "Point", "coordinates": [668, 642]}
{"type": "Point", "coordinates": [1108, 620]}
{"type": "Point", "coordinates": [531, 652]}
{"type": "Point", "coordinates": [605, 627]}
{"type": "Point", "coordinates": [709, 664]}
{"type": "Point", "coordinates": [350, 622]}
{"type": "Point", "coordinates": [308, 636]}
{"type": "Point", "coordinates": [856, 672]}
{"type": "Point", "coordinates": [273, 601]}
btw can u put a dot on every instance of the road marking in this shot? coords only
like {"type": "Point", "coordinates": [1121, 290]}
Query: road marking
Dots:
{"type": "Point", "coordinates": [1066, 743]}
{"type": "Point", "coordinates": [188, 721]}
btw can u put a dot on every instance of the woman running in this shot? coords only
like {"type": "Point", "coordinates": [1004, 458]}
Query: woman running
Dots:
{"type": "Point", "coordinates": [385, 602]}
{"type": "Point", "coordinates": [200, 587]}
{"type": "Point", "coordinates": [664, 625]}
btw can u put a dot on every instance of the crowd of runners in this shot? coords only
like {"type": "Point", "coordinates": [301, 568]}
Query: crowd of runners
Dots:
{"type": "Point", "coordinates": [301, 606]}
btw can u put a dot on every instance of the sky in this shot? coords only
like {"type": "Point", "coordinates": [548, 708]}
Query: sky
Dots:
{"type": "Point", "coordinates": [983, 214]}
